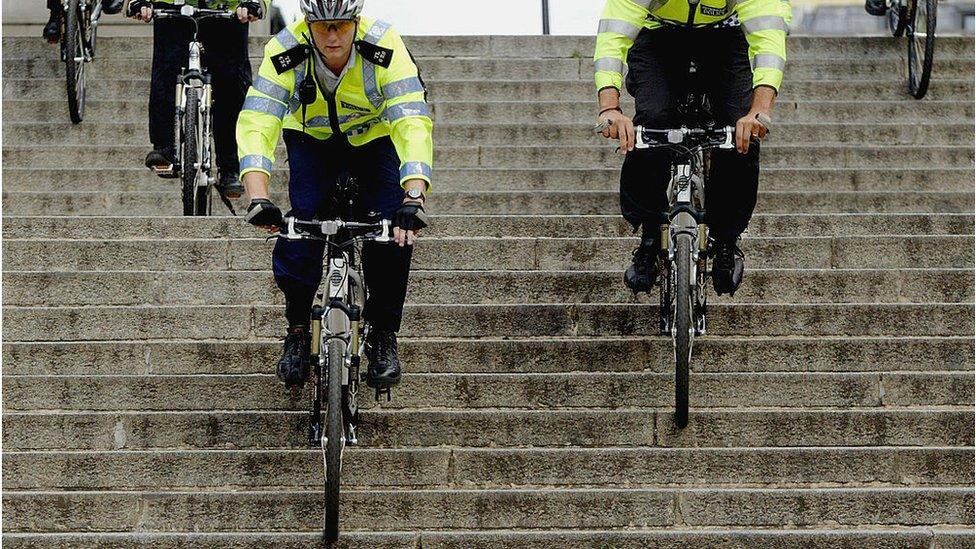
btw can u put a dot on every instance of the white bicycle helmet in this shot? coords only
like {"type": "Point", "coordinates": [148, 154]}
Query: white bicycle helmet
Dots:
{"type": "Point", "coordinates": [331, 10]}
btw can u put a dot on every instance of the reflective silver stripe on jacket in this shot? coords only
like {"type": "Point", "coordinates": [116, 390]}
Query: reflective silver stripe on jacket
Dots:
{"type": "Point", "coordinates": [287, 39]}
{"type": "Point", "coordinates": [620, 27]}
{"type": "Point", "coordinates": [265, 105]}
{"type": "Point", "coordinates": [271, 89]}
{"type": "Point", "coordinates": [403, 110]}
{"type": "Point", "coordinates": [415, 168]}
{"type": "Point", "coordinates": [402, 87]}
{"type": "Point", "coordinates": [373, 36]}
{"type": "Point", "coordinates": [294, 103]}
{"type": "Point", "coordinates": [766, 22]}
{"type": "Point", "coordinates": [609, 64]}
{"type": "Point", "coordinates": [768, 61]}
{"type": "Point", "coordinates": [256, 161]}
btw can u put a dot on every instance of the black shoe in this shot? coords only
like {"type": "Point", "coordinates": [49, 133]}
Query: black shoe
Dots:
{"type": "Point", "coordinates": [642, 273]}
{"type": "Point", "coordinates": [876, 7]}
{"type": "Point", "coordinates": [384, 364]}
{"type": "Point", "coordinates": [728, 264]}
{"type": "Point", "coordinates": [293, 368]}
{"type": "Point", "coordinates": [111, 7]}
{"type": "Point", "coordinates": [230, 186]}
{"type": "Point", "coordinates": [161, 158]}
{"type": "Point", "coordinates": [52, 30]}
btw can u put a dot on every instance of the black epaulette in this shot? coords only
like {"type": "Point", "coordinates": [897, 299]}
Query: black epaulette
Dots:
{"type": "Point", "coordinates": [375, 54]}
{"type": "Point", "coordinates": [289, 59]}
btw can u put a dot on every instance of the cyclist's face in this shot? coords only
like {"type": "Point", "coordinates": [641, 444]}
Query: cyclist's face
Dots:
{"type": "Point", "coordinates": [334, 38]}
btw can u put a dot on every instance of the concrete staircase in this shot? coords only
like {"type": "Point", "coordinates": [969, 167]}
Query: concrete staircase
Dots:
{"type": "Point", "coordinates": [832, 398]}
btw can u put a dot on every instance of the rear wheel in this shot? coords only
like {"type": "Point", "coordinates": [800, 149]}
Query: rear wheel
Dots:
{"type": "Point", "coordinates": [921, 46]}
{"type": "Point", "coordinates": [683, 327]}
{"type": "Point", "coordinates": [74, 62]}
{"type": "Point", "coordinates": [190, 150]}
{"type": "Point", "coordinates": [897, 17]}
{"type": "Point", "coordinates": [334, 437]}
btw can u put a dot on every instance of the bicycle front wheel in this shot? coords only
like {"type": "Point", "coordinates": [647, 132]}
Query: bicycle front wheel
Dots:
{"type": "Point", "coordinates": [74, 61]}
{"type": "Point", "coordinates": [190, 153]}
{"type": "Point", "coordinates": [334, 437]}
{"type": "Point", "coordinates": [921, 46]}
{"type": "Point", "coordinates": [683, 328]}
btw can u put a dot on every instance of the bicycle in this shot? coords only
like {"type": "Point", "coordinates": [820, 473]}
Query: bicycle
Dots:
{"type": "Point", "coordinates": [917, 20]}
{"type": "Point", "coordinates": [79, 30]}
{"type": "Point", "coordinates": [336, 349]}
{"type": "Point", "coordinates": [193, 164]}
{"type": "Point", "coordinates": [683, 265]}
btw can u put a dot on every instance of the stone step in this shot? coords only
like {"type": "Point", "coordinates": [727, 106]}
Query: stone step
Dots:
{"type": "Point", "coordinates": [500, 156]}
{"type": "Point", "coordinates": [488, 68]}
{"type": "Point", "coordinates": [469, 467]}
{"type": "Point", "coordinates": [889, 89]}
{"type": "Point", "coordinates": [854, 252]}
{"type": "Point", "coordinates": [486, 509]}
{"type": "Point", "coordinates": [532, 47]}
{"type": "Point", "coordinates": [129, 177]}
{"type": "Point", "coordinates": [629, 538]}
{"type": "Point", "coordinates": [77, 288]}
{"type": "Point", "coordinates": [105, 323]}
{"type": "Point", "coordinates": [499, 391]}
{"type": "Point", "coordinates": [493, 355]}
{"type": "Point", "coordinates": [494, 428]}
{"type": "Point", "coordinates": [557, 112]}
{"type": "Point", "coordinates": [167, 202]}
{"type": "Point", "coordinates": [467, 225]}
{"type": "Point", "coordinates": [830, 134]}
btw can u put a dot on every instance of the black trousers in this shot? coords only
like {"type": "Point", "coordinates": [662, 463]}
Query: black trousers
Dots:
{"type": "Point", "coordinates": [224, 56]}
{"type": "Point", "coordinates": [657, 78]}
{"type": "Point", "coordinates": [315, 166]}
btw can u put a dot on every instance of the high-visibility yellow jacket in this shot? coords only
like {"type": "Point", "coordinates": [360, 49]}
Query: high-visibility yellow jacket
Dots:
{"type": "Point", "coordinates": [764, 22]}
{"type": "Point", "coordinates": [382, 95]}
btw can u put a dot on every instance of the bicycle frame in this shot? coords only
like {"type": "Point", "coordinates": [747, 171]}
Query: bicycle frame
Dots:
{"type": "Point", "coordinates": [195, 76]}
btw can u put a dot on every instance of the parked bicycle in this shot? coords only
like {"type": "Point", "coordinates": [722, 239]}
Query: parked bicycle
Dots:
{"type": "Point", "coordinates": [337, 335]}
{"type": "Point", "coordinates": [79, 30]}
{"type": "Point", "coordinates": [194, 162]}
{"type": "Point", "coordinates": [916, 19]}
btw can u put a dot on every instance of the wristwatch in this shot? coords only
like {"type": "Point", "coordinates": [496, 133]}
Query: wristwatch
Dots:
{"type": "Point", "coordinates": [415, 194]}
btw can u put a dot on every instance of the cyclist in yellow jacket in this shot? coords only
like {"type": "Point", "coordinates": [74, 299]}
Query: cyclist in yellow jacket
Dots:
{"type": "Point", "coordinates": [344, 93]}
{"type": "Point", "coordinates": [739, 48]}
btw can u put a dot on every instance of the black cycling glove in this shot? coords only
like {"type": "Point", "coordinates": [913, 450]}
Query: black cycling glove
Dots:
{"type": "Point", "coordinates": [410, 217]}
{"type": "Point", "coordinates": [253, 9]}
{"type": "Point", "coordinates": [262, 212]}
{"type": "Point", "coordinates": [135, 6]}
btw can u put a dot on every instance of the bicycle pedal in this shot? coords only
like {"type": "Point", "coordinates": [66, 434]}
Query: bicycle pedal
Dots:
{"type": "Point", "coordinates": [382, 391]}
{"type": "Point", "coordinates": [166, 173]}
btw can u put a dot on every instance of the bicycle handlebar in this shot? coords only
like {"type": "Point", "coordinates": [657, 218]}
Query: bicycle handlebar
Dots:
{"type": "Point", "coordinates": [190, 12]}
{"type": "Point", "coordinates": [710, 138]}
{"type": "Point", "coordinates": [292, 228]}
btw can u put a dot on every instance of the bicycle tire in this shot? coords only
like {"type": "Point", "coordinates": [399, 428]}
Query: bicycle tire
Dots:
{"type": "Point", "coordinates": [920, 68]}
{"type": "Point", "coordinates": [335, 437]}
{"type": "Point", "coordinates": [683, 327]}
{"type": "Point", "coordinates": [897, 19]}
{"type": "Point", "coordinates": [74, 48]}
{"type": "Point", "coordinates": [190, 154]}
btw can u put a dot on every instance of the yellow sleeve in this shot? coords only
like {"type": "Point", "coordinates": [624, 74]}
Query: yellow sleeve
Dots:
{"type": "Point", "coordinates": [620, 24]}
{"type": "Point", "coordinates": [266, 104]}
{"type": "Point", "coordinates": [411, 127]}
{"type": "Point", "coordinates": [766, 24]}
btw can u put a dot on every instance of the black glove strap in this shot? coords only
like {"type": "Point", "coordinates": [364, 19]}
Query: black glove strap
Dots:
{"type": "Point", "coordinates": [411, 217]}
{"type": "Point", "coordinates": [263, 212]}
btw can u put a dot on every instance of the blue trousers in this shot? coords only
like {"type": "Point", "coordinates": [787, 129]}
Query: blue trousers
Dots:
{"type": "Point", "coordinates": [315, 167]}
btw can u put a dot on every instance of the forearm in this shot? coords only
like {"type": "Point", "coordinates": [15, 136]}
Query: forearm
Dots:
{"type": "Point", "coordinates": [256, 184]}
{"type": "Point", "coordinates": [609, 98]}
{"type": "Point", "coordinates": [763, 98]}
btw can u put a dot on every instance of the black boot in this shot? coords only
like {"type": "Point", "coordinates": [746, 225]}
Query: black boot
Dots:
{"type": "Point", "coordinates": [384, 364]}
{"type": "Point", "coordinates": [642, 273]}
{"type": "Point", "coordinates": [728, 265]}
{"type": "Point", "coordinates": [111, 7]}
{"type": "Point", "coordinates": [52, 30]}
{"type": "Point", "coordinates": [293, 368]}
{"type": "Point", "coordinates": [229, 185]}
{"type": "Point", "coordinates": [876, 7]}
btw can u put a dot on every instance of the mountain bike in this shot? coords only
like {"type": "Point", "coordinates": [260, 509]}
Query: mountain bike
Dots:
{"type": "Point", "coordinates": [79, 29]}
{"type": "Point", "coordinates": [337, 335]}
{"type": "Point", "coordinates": [194, 152]}
{"type": "Point", "coordinates": [917, 20]}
